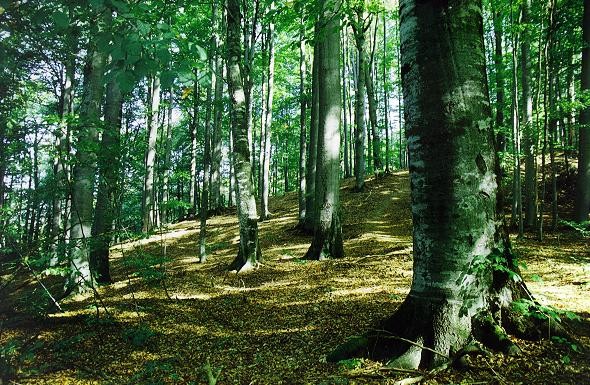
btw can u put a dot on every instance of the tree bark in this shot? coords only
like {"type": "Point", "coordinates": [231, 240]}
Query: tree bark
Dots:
{"type": "Point", "coordinates": [582, 207]}
{"type": "Point", "coordinates": [249, 251]}
{"type": "Point", "coordinates": [265, 179]}
{"type": "Point", "coordinates": [302, 126]}
{"type": "Point", "coordinates": [452, 172]}
{"type": "Point", "coordinates": [310, 176]}
{"type": "Point", "coordinates": [149, 196]}
{"type": "Point", "coordinates": [327, 240]}
{"type": "Point", "coordinates": [84, 170]}
{"type": "Point", "coordinates": [216, 144]}
{"type": "Point", "coordinates": [204, 210]}
{"type": "Point", "coordinates": [193, 135]}
{"type": "Point", "coordinates": [359, 107]}
{"type": "Point", "coordinates": [109, 165]}
{"type": "Point", "coordinates": [376, 142]}
{"type": "Point", "coordinates": [386, 99]}
{"type": "Point", "coordinates": [529, 140]}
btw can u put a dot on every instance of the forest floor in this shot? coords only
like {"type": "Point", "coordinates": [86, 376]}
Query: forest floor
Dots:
{"type": "Point", "coordinates": [276, 324]}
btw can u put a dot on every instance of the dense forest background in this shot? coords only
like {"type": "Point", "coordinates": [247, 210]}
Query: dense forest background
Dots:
{"type": "Point", "coordinates": [122, 120]}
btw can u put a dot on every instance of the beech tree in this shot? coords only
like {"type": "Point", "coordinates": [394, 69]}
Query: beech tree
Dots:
{"type": "Point", "coordinates": [457, 292]}
{"type": "Point", "coordinates": [327, 239]}
{"type": "Point", "coordinates": [249, 251]}
{"type": "Point", "coordinates": [85, 163]}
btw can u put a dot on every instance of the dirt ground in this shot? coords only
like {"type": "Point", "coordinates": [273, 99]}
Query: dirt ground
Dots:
{"type": "Point", "coordinates": [275, 325]}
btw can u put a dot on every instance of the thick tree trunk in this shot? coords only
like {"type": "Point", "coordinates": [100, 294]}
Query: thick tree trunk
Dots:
{"type": "Point", "coordinates": [249, 251]}
{"type": "Point", "coordinates": [582, 208]}
{"type": "Point", "coordinates": [310, 173]}
{"type": "Point", "coordinates": [359, 107]}
{"type": "Point", "coordinates": [452, 171]}
{"type": "Point", "coordinates": [85, 171]}
{"type": "Point", "coordinates": [302, 126]}
{"type": "Point", "coordinates": [327, 240]}
{"type": "Point", "coordinates": [109, 165]}
{"type": "Point", "coordinates": [149, 196]}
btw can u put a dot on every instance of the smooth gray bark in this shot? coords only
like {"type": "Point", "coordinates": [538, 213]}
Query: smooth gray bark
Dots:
{"type": "Point", "coordinates": [327, 240]}
{"type": "Point", "coordinates": [249, 251]}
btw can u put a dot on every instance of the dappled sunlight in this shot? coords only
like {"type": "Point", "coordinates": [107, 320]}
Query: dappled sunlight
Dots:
{"type": "Point", "coordinates": [288, 307]}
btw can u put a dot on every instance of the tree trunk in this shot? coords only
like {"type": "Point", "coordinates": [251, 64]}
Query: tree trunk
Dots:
{"type": "Point", "coordinates": [386, 99]}
{"type": "Point", "coordinates": [347, 171]}
{"type": "Point", "coordinates": [60, 164]}
{"type": "Point", "coordinates": [216, 144]}
{"type": "Point", "coordinates": [265, 213]}
{"type": "Point", "coordinates": [376, 142]}
{"type": "Point", "coordinates": [167, 159]}
{"type": "Point", "coordinates": [359, 107]}
{"type": "Point", "coordinates": [193, 135]}
{"type": "Point", "coordinates": [529, 140]}
{"type": "Point", "coordinates": [249, 252]}
{"type": "Point", "coordinates": [109, 167]}
{"type": "Point", "coordinates": [149, 196]}
{"type": "Point", "coordinates": [310, 176]}
{"type": "Point", "coordinates": [517, 217]}
{"type": "Point", "coordinates": [84, 171]}
{"type": "Point", "coordinates": [327, 240]}
{"type": "Point", "coordinates": [499, 67]}
{"type": "Point", "coordinates": [452, 171]}
{"type": "Point", "coordinates": [302, 126]}
{"type": "Point", "coordinates": [582, 208]}
{"type": "Point", "coordinates": [204, 210]}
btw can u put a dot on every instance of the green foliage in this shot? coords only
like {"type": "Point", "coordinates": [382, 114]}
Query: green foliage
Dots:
{"type": "Point", "coordinates": [530, 308]}
{"type": "Point", "coordinates": [582, 228]}
{"type": "Point", "coordinates": [351, 363]}
{"type": "Point", "coordinates": [157, 372]}
{"type": "Point", "coordinates": [139, 336]}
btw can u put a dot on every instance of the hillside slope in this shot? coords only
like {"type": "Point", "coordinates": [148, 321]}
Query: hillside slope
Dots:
{"type": "Point", "coordinates": [276, 324]}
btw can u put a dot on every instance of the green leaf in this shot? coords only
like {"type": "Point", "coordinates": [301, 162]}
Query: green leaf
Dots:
{"type": "Point", "coordinates": [167, 78]}
{"type": "Point", "coordinates": [61, 20]}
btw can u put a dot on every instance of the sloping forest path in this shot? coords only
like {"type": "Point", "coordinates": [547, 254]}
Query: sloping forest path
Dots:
{"type": "Point", "coordinates": [171, 315]}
